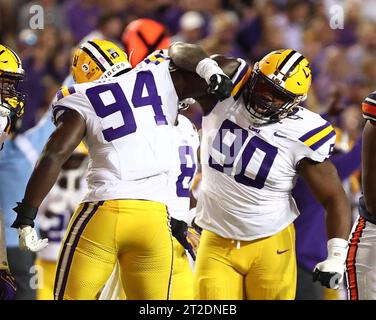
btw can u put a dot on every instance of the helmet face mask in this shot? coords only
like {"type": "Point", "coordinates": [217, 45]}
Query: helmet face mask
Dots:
{"type": "Point", "coordinates": [266, 101]}
{"type": "Point", "coordinates": [12, 102]}
{"type": "Point", "coordinates": [278, 83]}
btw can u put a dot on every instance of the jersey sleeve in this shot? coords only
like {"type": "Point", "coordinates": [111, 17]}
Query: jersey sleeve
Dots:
{"type": "Point", "coordinates": [157, 57]}
{"type": "Point", "coordinates": [240, 78]}
{"type": "Point", "coordinates": [369, 107]}
{"type": "Point", "coordinates": [68, 98]}
{"type": "Point", "coordinates": [317, 141]}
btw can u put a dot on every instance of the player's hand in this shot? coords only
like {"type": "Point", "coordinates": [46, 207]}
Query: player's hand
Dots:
{"type": "Point", "coordinates": [193, 238]}
{"type": "Point", "coordinates": [179, 231]}
{"type": "Point", "coordinates": [28, 240]}
{"type": "Point", "coordinates": [7, 285]}
{"type": "Point", "coordinates": [330, 272]}
{"type": "Point", "coordinates": [221, 86]}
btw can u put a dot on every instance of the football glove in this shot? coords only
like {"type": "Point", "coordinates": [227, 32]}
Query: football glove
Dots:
{"type": "Point", "coordinates": [179, 230]}
{"type": "Point", "coordinates": [7, 285]}
{"type": "Point", "coordinates": [28, 240]}
{"type": "Point", "coordinates": [330, 272]}
{"type": "Point", "coordinates": [221, 86]}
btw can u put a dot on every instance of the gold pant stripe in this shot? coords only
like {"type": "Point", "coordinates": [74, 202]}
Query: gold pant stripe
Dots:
{"type": "Point", "coordinates": [73, 235]}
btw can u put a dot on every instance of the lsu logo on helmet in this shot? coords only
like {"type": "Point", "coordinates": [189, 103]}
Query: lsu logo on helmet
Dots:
{"type": "Point", "coordinates": [98, 59]}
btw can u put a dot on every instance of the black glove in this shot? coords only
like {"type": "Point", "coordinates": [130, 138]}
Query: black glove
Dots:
{"type": "Point", "coordinates": [179, 230]}
{"type": "Point", "coordinates": [330, 280]}
{"type": "Point", "coordinates": [221, 86]}
{"type": "Point", "coordinates": [25, 215]}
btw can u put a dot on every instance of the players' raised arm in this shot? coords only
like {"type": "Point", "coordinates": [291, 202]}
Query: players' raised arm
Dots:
{"type": "Point", "coordinates": [69, 132]}
{"type": "Point", "coordinates": [192, 58]}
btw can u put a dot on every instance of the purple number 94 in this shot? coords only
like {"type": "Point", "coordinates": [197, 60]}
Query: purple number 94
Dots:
{"type": "Point", "coordinates": [229, 143]}
{"type": "Point", "coordinates": [119, 103]}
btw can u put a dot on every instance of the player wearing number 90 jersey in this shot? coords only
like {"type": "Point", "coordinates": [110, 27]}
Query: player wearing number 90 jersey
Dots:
{"type": "Point", "coordinates": [246, 191]}
{"type": "Point", "coordinates": [253, 146]}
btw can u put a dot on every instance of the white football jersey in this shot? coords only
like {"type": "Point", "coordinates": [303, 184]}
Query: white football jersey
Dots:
{"type": "Point", "coordinates": [248, 173]}
{"type": "Point", "coordinates": [129, 132]}
{"type": "Point", "coordinates": [186, 143]}
{"type": "Point", "coordinates": [4, 129]}
{"type": "Point", "coordinates": [57, 209]}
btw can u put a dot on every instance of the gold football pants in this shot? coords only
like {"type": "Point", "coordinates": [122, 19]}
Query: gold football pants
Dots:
{"type": "Point", "coordinates": [182, 279]}
{"type": "Point", "coordinates": [46, 278]}
{"type": "Point", "coordinates": [263, 269]}
{"type": "Point", "coordinates": [135, 232]}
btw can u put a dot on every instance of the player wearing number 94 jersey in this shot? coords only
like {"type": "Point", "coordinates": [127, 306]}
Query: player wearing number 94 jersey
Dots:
{"type": "Point", "coordinates": [126, 122]}
{"type": "Point", "coordinates": [253, 146]}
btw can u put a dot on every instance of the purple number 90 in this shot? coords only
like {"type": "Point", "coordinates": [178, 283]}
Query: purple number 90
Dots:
{"type": "Point", "coordinates": [235, 157]}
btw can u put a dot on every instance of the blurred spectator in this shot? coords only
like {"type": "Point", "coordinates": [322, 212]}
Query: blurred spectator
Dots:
{"type": "Point", "coordinates": [82, 17]}
{"type": "Point", "coordinates": [222, 37]}
{"type": "Point", "coordinates": [191, 27]}
{"type": "Point", "coordinates": [110, 27]}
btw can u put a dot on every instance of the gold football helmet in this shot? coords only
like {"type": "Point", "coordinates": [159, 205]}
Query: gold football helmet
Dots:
{"type": "Point", "coordinates": [278, 83]}
{"type": "Point", "coordinates": [12, 102]}
{"type": "Point", "coordinates": [98, 59]}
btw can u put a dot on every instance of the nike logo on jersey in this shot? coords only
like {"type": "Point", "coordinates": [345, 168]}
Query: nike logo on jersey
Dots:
{"type": "Point", "coordinates": [280, 252]}
{"type": "Point", "coordinates": [276, 134]}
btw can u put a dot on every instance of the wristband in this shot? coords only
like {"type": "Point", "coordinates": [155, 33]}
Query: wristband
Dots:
{"type": "Point", "coordinates": [207, 67]}
{"type": "Point", "coordinates": [25, 215]}
{"type": "Point", "coordinates": [337, 249]}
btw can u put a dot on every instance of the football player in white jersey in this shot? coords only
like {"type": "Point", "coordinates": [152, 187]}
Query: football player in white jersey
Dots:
{"type": "Point", "coordinates": [54, 214]}
{"type": "Point", "coordinates": [126, 122]}
{"type": "Point", "coordinates": [361, 258]}
{"type": "Point", "coordinates": [11, 107]}
{"type": "Point", "coordinates": [182, 173]}
{"type": "Point", "coordinates": [254, 144]}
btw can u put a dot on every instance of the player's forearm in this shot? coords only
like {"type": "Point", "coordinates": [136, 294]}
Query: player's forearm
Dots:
{"type": "Point", "coordinates": [69, 132]}
{"type": "Point", "coordinates": [338, 219]}
{"type": "Point", "coordinates": [3, 247]}
{"type": "Point", "coordinates": [186, 56]}
{"type": "Point", "coordinates": [43, 178]}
